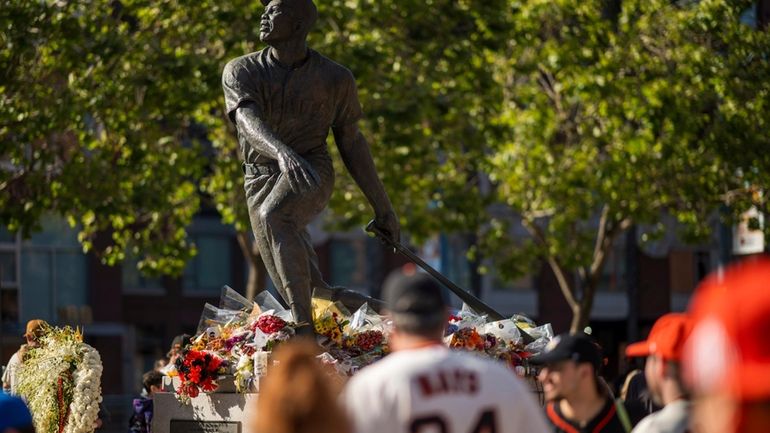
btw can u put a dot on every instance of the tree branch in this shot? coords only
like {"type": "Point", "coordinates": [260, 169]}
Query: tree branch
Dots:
{"type": "Point", "coordinates": [557, 269]}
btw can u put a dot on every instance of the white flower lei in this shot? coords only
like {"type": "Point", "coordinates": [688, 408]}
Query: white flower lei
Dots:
{"type": "Point", "coordinates": [62, 353]}
{"type": "Point", "coordinates": [84, 409]}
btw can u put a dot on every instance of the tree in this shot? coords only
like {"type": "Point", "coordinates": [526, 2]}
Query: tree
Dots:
{"type": "Point", "coordinates": [103, 103]}
{"type": "Point", "coordinates": [614, 123]}
{"type": "Point", "coordinates": [93, 128]}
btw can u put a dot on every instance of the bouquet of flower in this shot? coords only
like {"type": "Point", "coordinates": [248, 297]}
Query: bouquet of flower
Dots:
{"type": "Point", "coordinates": [366, 333]}
{"type": "Point", "coordinates": [330, 320]}
{"type": "Point", "coordinates": [198, 371]}
{"type": "Point", "coordinates": [469, 339]}
{"type": "Point", "coordinates": [60, 380]}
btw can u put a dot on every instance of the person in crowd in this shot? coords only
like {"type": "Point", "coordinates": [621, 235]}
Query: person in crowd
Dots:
{"type": "Point", "coordinates": [160, 364]}
{"type": "Point", "coordinates": [726, 360]}
{"type": "Point", "coordinates": [663, 350]}
{"type": "Point", "coordinates": [35, 329]}
{"type": "Point", "coordinates": [635, 392]}
{"type": "Point", "coordinates": [14, 415]}
{"type": "Point", "coordinates": [578, 398]}
{"type": "Point", "coordinates": [424, 386]}
{"type": "Point", "coordinates": [177, 345]}
{"type": "Point", "coordinates": [141, 418]}
{"type": "Point", "coordinates": [298, 395]}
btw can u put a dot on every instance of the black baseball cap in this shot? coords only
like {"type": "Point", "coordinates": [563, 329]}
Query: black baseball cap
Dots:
{"type": "Point", "coordinates": [570, 347]}
{"type": "Point", "coordinates": [414, 300]}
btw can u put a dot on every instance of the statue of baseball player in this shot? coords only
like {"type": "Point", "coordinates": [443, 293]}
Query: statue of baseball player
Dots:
{"type": "Point", "coordinates": [283, 100]}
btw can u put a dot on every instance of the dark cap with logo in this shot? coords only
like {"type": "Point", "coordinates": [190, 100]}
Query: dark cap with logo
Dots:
{"type": "Point", "coordinates": [414, 300]}
{"type": "Point", "coordinates": [570, 347]}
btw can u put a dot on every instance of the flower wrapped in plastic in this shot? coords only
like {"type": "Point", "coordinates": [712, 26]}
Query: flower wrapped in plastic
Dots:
{"type": "Point", "coordinates": [330, 320]}
{"type": "Point", "coordinates": [468, 339]}
{"type": "Point", "coordinates": [198, 371]}
{"type": "Point", "coordinates": [366, 333]}
{"type": "Point", "coordinates": [270, 330]}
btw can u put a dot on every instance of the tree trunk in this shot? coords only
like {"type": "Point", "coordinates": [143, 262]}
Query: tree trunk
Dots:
{"type": "Point", "coordinates": [581, 315]}
{"type": "Point", "coordinates": [255, 282]}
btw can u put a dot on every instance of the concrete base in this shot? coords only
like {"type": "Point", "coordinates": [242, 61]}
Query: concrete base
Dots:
{"type": "Point", "coordinates": [213, 411]}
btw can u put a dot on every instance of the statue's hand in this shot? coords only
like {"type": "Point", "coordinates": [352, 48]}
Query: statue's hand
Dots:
{"type": "Point", "coordinates": [388, 223]}
{"type": "Point", "coordinates": [301, 175]}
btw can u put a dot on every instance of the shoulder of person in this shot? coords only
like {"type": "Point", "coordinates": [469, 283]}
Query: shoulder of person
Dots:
{"type": "Point", "coordinates": [246, 62]}
{"type": "Point", "coordinates": [339, 73]}
{"type": "Point", "coordinates": [646, 425]}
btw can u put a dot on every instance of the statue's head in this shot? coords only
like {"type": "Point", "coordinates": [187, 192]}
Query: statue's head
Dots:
{"type": "Point", "coordinates": [286, 19]}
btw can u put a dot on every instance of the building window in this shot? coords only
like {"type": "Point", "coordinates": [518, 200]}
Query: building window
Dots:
{"type": "Point", "coordinates": [348, 262]}
{"type": "Point", "coordinates": [614, 276]}
{"type": "Point", "coordinates": [9, 279]}
{"type": "Point", "coordinates": [212, 267]}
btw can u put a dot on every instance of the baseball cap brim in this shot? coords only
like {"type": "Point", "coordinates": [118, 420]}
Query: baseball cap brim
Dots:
{"type": "Point", "coordinates": [637, 350]}
{"type": "Point", "coordinates": [551, 357]}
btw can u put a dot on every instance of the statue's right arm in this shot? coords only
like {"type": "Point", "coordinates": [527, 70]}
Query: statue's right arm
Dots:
{"type": "Point", "coordinates": [257, 133]}
{"type": "Point", "coordinates": [261, 138]}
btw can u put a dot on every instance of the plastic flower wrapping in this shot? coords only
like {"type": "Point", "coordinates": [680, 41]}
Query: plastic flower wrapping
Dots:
{"type": "Point", "coordinates": [236, 339]}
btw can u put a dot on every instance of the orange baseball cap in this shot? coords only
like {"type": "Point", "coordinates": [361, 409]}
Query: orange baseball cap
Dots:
{"type": "Point", "coordinates": [728, 351]}
{"type": "Point", "coordinates": [666, 338]}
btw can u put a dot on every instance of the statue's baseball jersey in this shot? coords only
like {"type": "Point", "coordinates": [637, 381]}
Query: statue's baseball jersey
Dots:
{"type": "Point", "coordinates": [438, 390]}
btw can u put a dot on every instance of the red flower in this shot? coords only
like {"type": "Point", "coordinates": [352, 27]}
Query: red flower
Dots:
{"type": "Point", "coordinates": [368, 340]}
{"type": "Point", "coordinates": [199, 370]}
{"type": "Point", "coordinates": [270, 324]}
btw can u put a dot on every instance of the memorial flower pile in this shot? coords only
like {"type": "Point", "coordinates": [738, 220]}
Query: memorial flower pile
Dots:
{"type": "Point", "coordinates": [61, 382]}
{"type": "Point", "coordinates": [237, 338]}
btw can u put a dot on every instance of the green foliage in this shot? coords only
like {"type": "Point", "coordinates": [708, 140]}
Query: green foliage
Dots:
{"type": "Point", "coordinates": [111, 113]}
{"type": "Point", "coordinates": [660, 111]}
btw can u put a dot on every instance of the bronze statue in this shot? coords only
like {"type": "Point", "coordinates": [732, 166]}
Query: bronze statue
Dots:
{"type": "Point", "coordinates": [283, 100]}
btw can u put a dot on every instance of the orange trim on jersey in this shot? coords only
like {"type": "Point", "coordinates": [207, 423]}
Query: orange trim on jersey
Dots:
{"type": "Point", "coordinates": [556, 419]}
{"type": "Point", "coordinates": [606, 419]}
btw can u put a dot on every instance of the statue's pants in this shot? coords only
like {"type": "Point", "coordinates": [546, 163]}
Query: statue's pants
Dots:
{"type": "Point", "coordinates": [279, 217]}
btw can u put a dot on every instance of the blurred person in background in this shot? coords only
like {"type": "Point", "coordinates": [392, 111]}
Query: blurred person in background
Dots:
{"type": "Point", "coordinates": [177, 345]}
{"type": "Point", "coordinates": [578, 398]}
{"type": "Point", "coordinates": [141, 417]}
{"type": "Point", "coordinates": [35, 329]}
{"type": "Point", "coordinates": [14, 415]}
{"type": "Point", "coordinates": [726, 360]}
{"type": "Point", "coordinates": [424, 386]}
{"type": "Point", "coordinates": [663, 350]}
{"type": "Point", "coordinates": [298, 394]}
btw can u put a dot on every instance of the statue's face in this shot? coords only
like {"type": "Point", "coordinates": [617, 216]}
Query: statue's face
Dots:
{"type": "Point", "coordinates": [278, 22]}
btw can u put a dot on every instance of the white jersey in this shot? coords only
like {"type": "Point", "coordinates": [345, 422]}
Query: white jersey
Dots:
{"type": "Point", "coordinates": [438, 390]}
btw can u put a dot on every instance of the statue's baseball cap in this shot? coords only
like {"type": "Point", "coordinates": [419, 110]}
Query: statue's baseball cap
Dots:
{"type": "Point", "coordinates": [570, 347]}
{"type": "Point", "coordinates": [13, 413]}
{"type": "Point", "coordinates": [728, 351]}
{"type": "Point", "coordinates": [666, 338]}
{"type": "Point", "coordinates": [414, 300]}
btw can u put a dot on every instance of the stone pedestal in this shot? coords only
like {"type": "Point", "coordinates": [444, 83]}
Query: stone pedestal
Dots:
{"type": "Point", "coordinates": [224, 411]}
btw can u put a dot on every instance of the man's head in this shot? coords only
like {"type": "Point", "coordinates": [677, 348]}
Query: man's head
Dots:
{"type": "Point", "coordinates": [14, 415]}
{"type": "Point", "coordinates": [152, 381]}
{"type": "Point", "coordinates": [726, 359]}
{"type": "Point", "coordinates": [177, 344]}
{"type": "Point", "coordinates": [663, 349]}
{"type": "Point", "coordinates": [416, 304]}
{"type": "Point", "coordinates": [35, 329]}
{"type": "Point", "coordinates": [570, 367]}
{"type": "Point", "coordinates": [285, 20]}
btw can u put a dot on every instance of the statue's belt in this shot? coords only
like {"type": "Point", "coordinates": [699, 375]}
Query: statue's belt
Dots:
{"type": "Point", "coordinates": [259, 169]}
